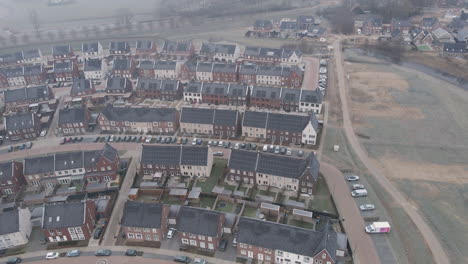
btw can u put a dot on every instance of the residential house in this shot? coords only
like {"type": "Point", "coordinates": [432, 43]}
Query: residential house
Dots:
{"type": "Point", "coordinates": [188, 70]}
{"type": "Point", "coordinates": [101, 166]}
{"type": "Point", "coordinates": [119, 48]}
{"type": "Point", "coordinates": [10, 58]}
{"type": "Point", "coordinates": [147, 120]}
{"type": "Point", "coordinates": [265, 97]}
{"type": "Point", "coordinates": [22, 126]}
{"type": "Point", "coordinates": [462, 35]}
{"type": "Point", "coordinates": [219, 52]}
{"type": "Point", "coordinates": [91, 50]}
{"type": "Point", "coordinates": [161, 161]}
{"type": "Point", "coordinates": [168, 90]}
{"type": "Point", "coordinates": [305, 22]}
{"type": "Point", "coordinates": [177, 50]}
{"type": "Point", "coordinates": [248, 73]}
{"type": "Point", "coordinates": [65, 71]}
{"type": "Point", "coordinates": [311, 101]}
{"type": "Point", "coordinates": [16, 228]}
{"type": "Point", "coordinates": [204, 71]}
{"type": "Point", "coordinates": [193, 92]}
{"type": "Point", "coordinates": [290, 99]}
{"type": "Point", "coordinates": [262, 25]}
{"type": "Point", "coordinates": [454, 49]}
{"type": "Point", "coordinates": [200, 228]}
{"type": "Point", "coordinates": [39, 171]}
{"type": "Point", "coordinates": [267, 169]}
{"type": "Point", "coordinates": [34, 74]}
{"type": "Point", "coordinates": [217, 122]}
{"type": "Point", "coordinates": [215, 93]}
{"type": "Point", "coordinates": [63, 52]}
{"type": "Point", "coordinates": [288, 27]}
{"type": "Point", "coordinates": [166, 69]}
{"type": "Point", "coordinates": [15, 76]}
{"type": "Point", "coordinates": [82, 87]}
{"type": "Point", "coordinates": [280, 76]}
{"type": "Point", "coordinates": [11, 177]}
{"type": "Point", "coordinates": [372, 26]}
{"type": "Point", "coordinates": [270, 242]}
{"type": "Point", "coordinates": [145, 47]}
{"type": "Point", "coordinates": [280, 128]}
{"type": "Point", "coordinates": [32, 56]}
{"type": "Point", "coordinates": [429, 23]}
{"type": "Point", "coordinates": [238, 94]}
{"type": "Point", "coordinates": [223, 72]}
{"type": "Point", "coordinates": [74, 121]}
{"type": "Point", "coordinates": [291, 58]}
{"type": "Point", "coordinates": [3, 79]}
{"type": "Point", "coordinates": [145, 68]}
{"type": "Point", "coordinates": [95, 69]}
{"type": "Point", "coordinates": [20, 99]}
{"type": "Point", "coordinates": [68, 221]}
{"type": "Point", "coordinates": [118, 85]}
{"type": "Point", "coordinates": [124, 67]}
{"type": "Point", "coordinates": [144, 222]}
{"type": "Point", "coordinates": [442, 36]}
{"type": "Point", "coordinates": [262, 55]}
{"type": "Point", "coordinates": [402, 25]}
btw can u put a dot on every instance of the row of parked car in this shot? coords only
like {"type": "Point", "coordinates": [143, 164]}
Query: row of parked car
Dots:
{"type": "Point", "coordinates": [66, 140]}
{"type": "Point", "coordinates": [322, 83]}
{"type": "Point", "coordinates": [358, 190]}
{"type": "Point", "coordinates": [26, 145]}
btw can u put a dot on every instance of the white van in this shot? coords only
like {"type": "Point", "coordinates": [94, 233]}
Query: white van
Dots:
{"type": "Point", "coordinates": [265, 148]}
{"type": "Point", "coordinates": [359, 193]}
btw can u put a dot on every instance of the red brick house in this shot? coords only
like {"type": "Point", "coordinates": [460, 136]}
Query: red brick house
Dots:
{"type": "Point", "coordinates": [266, 97]}
{"type": "Point", "coordinates": [200, 228]}
{"type": "Point", "coordinates": [238, 94]}
{"type": "Point", "coordinates": [118, 85]}
{"type": "Point", "coordinates": [3, 79]}
{"type": "Point", "coordinates": [34, 74]}
{"type": "Point", "coordinates": [144, 222]}
{"type": "Point", "coordinates": [124, 67]}
{"type": "Point", "coordinates": [146, 120]}
{"type": "Point", "coordinates": [145, 47]}
{"type": "Point", "coordinates": [217, 122]}
{"type": "Point", "coordinates": [270, 242]}
{"type": "Point", "coordinates": [188, 70]}
{"type": "Point", "coordinates": [146, 68]}
{"type": "Point", "coordinates": [168, 90]}
{"type": "Point", "coordinates": [177, 50]}
{"type": "Point", "coordinates": [20, 99]}
{"type": "Point", "coordinates": [281, 76]}
{"type": "Point", "coordinates": [65, 71]}
{"type": "Point", "coordinates": [74, 121]}
{"type": "Point", "coordinates": [101, 165]}
{"type": "Point", "coordinates": [82, 88]}
{"type": "Point", "coordinates": [11, 177]}
{"type": "Point", "coordinates": [215, 93]}
{"type": "Point", "coordinates": [223, 72]}
{"type": "Point", "coordinates": [22, 126]}
{"type": "Point", "coordinates": [248, 73]}
{"type": "Point", "coordinates": [290, 99]}
{"type": "Point", "coordinates": [68, 221]}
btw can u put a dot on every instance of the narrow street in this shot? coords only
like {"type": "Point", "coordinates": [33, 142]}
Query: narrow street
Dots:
{"type": "Point", "coordinates": [432, 241]}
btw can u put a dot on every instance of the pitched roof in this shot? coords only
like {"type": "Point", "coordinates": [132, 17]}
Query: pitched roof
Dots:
{"type": "Point", "coordinates": [92, 157]}
{"type": "Point", "coordinates": [10, 222]}
{"type": "Point", "coordinates": [266, 92]}
{"type": "Point", "coordinates": [262, 23]}
{"type": "Point", "coordinates": [122, 64]}
{"type": "Point", "coordinates": [32, 54]}
{"type": "Point", "coordinates": [305, 19]}
{"type": "Point", "coordinates": [193, 87]}
{"type": "Point", "coordinates": [205, 67]}
{"type": "Point", "coordinates": [270, 70]}
{"type": "Point", "coordinates": [287, 238]}
{"type": "Point", "coordinates": [32, 69]}
{"type": "Point", "coordinates": [192, 155]}
{"type": "Point", "coordinates": [145, 215]}
{"type": "Point", "coordinates": [286, 122]}
{"type": "Point", "coordinates": [117, 83]}
{"type": "Point", "coordinates": [176, 46]}
{"type": "Point", "coordinates": [225, 117]}
{"type": "Point", "coordinates": [69, 160]}
{"type": "Point", "coordinates": [13, 72]}
{"type": "Point", "coordinates": [63, 215]}
{"type": "Point", "coordinates": [215, 88]}
{"type": "Point", "coordinates": [255, 119]}
{"type": "Point", "coordinates": [144, 45]}
{"type": "Point", "coordinates": [455, 47]}
{"type": "Point", "coordinates": [6, 171]}
{"type": "Point", "coordinates": [26, 94]}
{"type": "Point", "coordinates": [237, 90]}
{"type": "Point", "coordinates": [65, 66]}
{"type": "Point", "coordinates": [198, 221]}
{"type": "Point", "coordinates": [225, 67]}
{"type": "Point", "coordinates": [39, 165]}
{"type": "Point", "coordinates": [19, 121]}
{"type": "Point", "coordinates": [243, 160]}
{"type": "Point", "coordinates": [284, 166]}
{"type": "Point", "coordinates": [72, 115]}
{"type": "Point", "coordinates": [248, 69]}
{"type": "Point", "coordinates": [119, 46]}
{"type": "Point", "coordinates": [165, 65]}
{"type": "Point", "coordinates": [92, 65]}
{"type": "Point", "coordinates": [140, 114]}
{"type": "Point", "coordinates": [290, 95]}
{"type": "Point", "coordinates": [60, 50]}
{"type": "Point", "coordinates": [90, 47]}
{"type": "Point", "coordinates": [80, 85]}
{"type": "Point", "coordinates": [174, 155]}
{"type": "Point", "coordinates": [155, 84]}
{"type": "Point", "coordinates": [146, 64]}
{"type": "Point", "coordinates": [213, 48]}
{"type": "Point", "coordinates": [197, 115]}
{"type": "Point", "coordinates": [314, 96]}
{"type": "Point", "coordinates": [288, 25]}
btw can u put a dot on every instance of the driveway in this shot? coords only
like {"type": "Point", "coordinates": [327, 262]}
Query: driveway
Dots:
{"type": "Point", "coordinates": [311, 73]}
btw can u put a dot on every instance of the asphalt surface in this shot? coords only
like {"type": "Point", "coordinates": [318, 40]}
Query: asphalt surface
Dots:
{"type": "Point", "coordinates": [431, 240]}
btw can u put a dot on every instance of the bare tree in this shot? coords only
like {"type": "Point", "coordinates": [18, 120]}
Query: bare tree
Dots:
{"type": "Point", "coordinates": [25, 38]}
{"type": "Point", "coordinates": [33, 18]}
{"type": "Point", "coordinates": [124, 17]}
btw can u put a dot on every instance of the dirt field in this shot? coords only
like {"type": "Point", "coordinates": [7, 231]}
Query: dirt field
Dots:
{"type": "Point", "coordinates": [415, 127]}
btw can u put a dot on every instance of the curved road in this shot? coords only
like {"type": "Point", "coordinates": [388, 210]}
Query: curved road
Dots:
{"type": "Point", "coordinates": [430, 238]}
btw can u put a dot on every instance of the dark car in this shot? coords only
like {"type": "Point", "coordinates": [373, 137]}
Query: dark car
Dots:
{"type": "Point", "coordinates": [248, 146]}
{"type": "Point", "coordinates": [227, 144]}
{"type": "Point", "coordinates": [75, 139]}
{"type": "Point", "coordinates": [131, 253]}
{"type": "Point", "coordinates": [199, 141]}
{"type": "Point", "coordinates": [158, 139]}
{"type": "Point", "coordinates": [184, 141]}
{"type": "Point", "coordinates": [242, 146]}
{"type": "Point", "coordinates": [97, 233]}
{"type": "Point", "coordinates": [2, 252]}
{"type": "Point", "coordinates": [254, 146]}
{"type": "Point", "coordinates": [102, 139]}
{"type": "Point", "coordinates": [134, 138]}
{"type": "Point", "coordinates": [182, 259]}
{"type": "Point", "coordinates": [14, 260]}
{"type": "Point", "coordinates": [167, 140]}
{"type": "Point", "coordinates": [174, 140]}
{"type": "Point", "coordinates": [103, 252]}
{"type": "Point", "coordinates": [97, 139]}
{"type": "Point", "coordinates": [223, 245]}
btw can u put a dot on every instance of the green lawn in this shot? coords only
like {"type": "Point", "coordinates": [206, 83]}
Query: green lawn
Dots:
{"type": "Point", "coordinates": [229, 187]}
{"type": "Point", "coordinates": [322, 199]}
{"type": "Point", "coordinates": [207, 202]}
{"type": "Point", "coordinates": [168, 200]}
{"type": "Point", "coordinates": [250, 211]}
{"type": "Point", "coordinates": [228, 208]}
{"type": "Point", "coordinates": [243, 189]}
{"type": "Point", "coordinates": [301, 224]}
{"type": "Point", "coordinates": [217, 173]}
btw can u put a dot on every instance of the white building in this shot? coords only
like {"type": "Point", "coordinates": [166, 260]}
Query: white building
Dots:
{"type": "Point", "coordinates": [15, 228]}
{"type": "Point", "coordinates": [15, 76]}
{"type": "Point", "coordinates": [291, 57]}
{"type": "Point", "coordinates": [193, 92]}
{"type": "Point", "coordinates": [95, 69]}
{"type": "Point", "coordinates": [309, 134]}
{"type": "Point", "coordinates": [204, 71]}
{"type": "Point", "coordinates": [166, 69]}
{"type": "Point", "coordinates": [91, 50]}
{"type": "Point", "coordinates": [311, 101]}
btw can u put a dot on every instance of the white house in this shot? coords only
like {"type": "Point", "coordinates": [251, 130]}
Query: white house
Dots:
{"type": "Point", "coordinates": [309, 134]}
{"type": "Point", "coordinates": [166, 69]}
{"type": "Point", "coordinates": [193, 92]}
{"type": "Point", "coordinates": [311, 101]}
{"type": "Point", "coordinates": [15, 76]}
{"type": "Point", "coordinates": [204, 71]}
{"type": "Point", "coordinates": [291, 57]}
{"type": "Point", "coordinates": [95, 69]}
{"type": "Point", "coordinates": [15, 228]}
{"type": "Point", "coordinates": [91, 50]}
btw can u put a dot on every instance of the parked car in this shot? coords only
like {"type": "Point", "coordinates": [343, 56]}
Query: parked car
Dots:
{"type": "Point", "coordinates": [254, 146]}
{"type": "Point", "coordinates": [210, 143]}
{"type": "Point", "coordinates": [277, 149]}
{"type": "Point", "coordinates": [352, 178]}
{"type": "Point", "coordinates": [73, 253]}
{"type": "Point", "coordinates": [282, 150]}
{"type": "Point", "coordinates": [182, 259]}
{"type": "Point", "coordinates": [194, 141]}
{"type": "Point", "coordinates": [184, 141]}
{"type": "Point", "coordinates": [97, 139]}
{"type": "Point", "coordinates": [215, 143]}
{"type": "Point", "coordinates": [199, 261]}
{"type": "Point", "coordinates": [357, 186]}
{"type": "Point", "coordinates": [237, 146]}
{"type": "Point", "coordinates": [168, 140]}
{"type": "Point", "coordinates": [174, 140]}
{"type": "Point", "coordinates": [134, 138]}
{"type": "Point", "coordinates": [242, 145]}
{"type": "Point", "coordinates": [227, 144]}
{"type": "Point", "coordinates": [80, 139]}
{"type": "Point", "coordinates": [158, 139]}
{"type": "Point", "coordinates": [221, 144]}
{"type": "Point", "coordinates": [248, 146]}
{"type": "Point", "coordinates": [14, 260]}
{"type": "Point", "coordinates": [223, 245]}
{"type": "Point", "coordinates": [97, 233]}
{"type": "Point", "coordinates": [171, 232]}
{"type": "Point", "coordinates": [43, 133]}
{"type": "Point", "coordinates": [218, 153]}
{"type": "Point", "coordinates": [288, 152]}
{"type": "Point", "coordinates": [148, 139]}
{"type": "Point", "coordinates": [52, 255]}
{"type": "Point", "coordinates": [265, 148]}
{"type": "Point", "coordinates": [22, 146]}
{"type": "Point", "coordinates": [300, 153]}
{"type": "Point", "coordinates": [199, 141]}
{"type": "Point", "coordinates": [2, 252]}
{"type": "Point", "coordinates": [118, 139]}
{"type": "Point", "coordinates": [359, 193]}
{"type": "Point", "coordinates": [103, 252]}
{"type": "Point", "coordinates": [131, 252]}
{"type": "Point", "coordinates": [367, 207]}
{"type": "Point", "coordinates": [29, 144]}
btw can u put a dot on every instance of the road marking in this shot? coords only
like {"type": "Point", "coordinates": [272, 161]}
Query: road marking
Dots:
{"type": "Point", "coordinates": [102, 261]}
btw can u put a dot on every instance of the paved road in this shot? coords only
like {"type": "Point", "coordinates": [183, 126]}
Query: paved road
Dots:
{"type": "Point", "coordinates": [363, 247]}
{"type": "Point", "coordinates": [432, 241]}
{"type": "Point", "coordinates": [311, 74]}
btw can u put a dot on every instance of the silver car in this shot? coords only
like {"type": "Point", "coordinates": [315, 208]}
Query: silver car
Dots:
{"type": "Point", "coordinates": [367, 207]}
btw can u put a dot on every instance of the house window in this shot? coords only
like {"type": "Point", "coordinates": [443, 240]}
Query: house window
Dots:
{"type": "Point", "coordinates": [130, 235]}
{"type": "Point", "coordinates": [185, 241]}
{"type": "Point", "coordinates": [210, 246]}
{"type": "Point", "coordinates": [155, 237]}
{"type": "Point", "coordinates": [138, 236]}
{"type": "Point", "coordinates": [193, 242]}
{"type": "Point", "coordinates": [148, 237]}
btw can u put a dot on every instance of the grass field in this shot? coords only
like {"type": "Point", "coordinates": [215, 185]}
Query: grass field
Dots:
{"type": "Point", "coordinates": [322, 199]}
{"type": "Point", "coordinates": [216, 174]}
{"type": "Point", "coordinates": [250, 211]}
